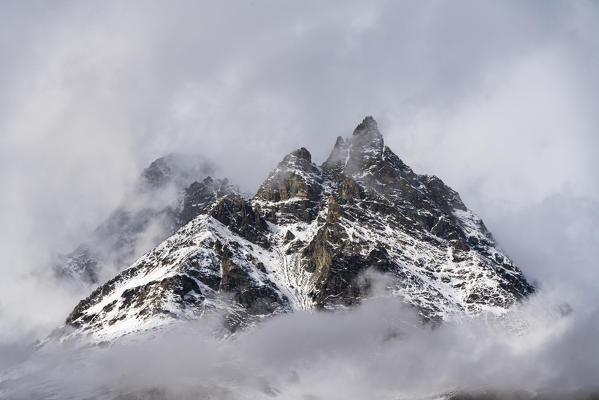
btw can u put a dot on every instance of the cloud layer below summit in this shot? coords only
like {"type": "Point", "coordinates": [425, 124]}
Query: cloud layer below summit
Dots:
{"type": "Point", "coordinates": [363, 353]}
{"type": "Point", "coordinates": [495, 98]}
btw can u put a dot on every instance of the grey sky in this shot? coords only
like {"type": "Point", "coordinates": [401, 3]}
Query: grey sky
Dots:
{"type": "Point", "coordinates": [497, 98]}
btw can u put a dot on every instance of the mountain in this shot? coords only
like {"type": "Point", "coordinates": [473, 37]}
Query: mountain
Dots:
{"type": "Point", "coordinates": [310, 238]}
{"type": "Point", "coordinates": [159, 203]}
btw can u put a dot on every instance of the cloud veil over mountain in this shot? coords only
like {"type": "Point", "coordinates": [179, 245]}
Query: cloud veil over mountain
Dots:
{"type": "Point", "coordinates": [286, 200]}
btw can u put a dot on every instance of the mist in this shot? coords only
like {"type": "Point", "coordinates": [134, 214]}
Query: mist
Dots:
{"type": "Point", "coordinates": [497, 99]}
{"type": "Point", "coordinates": [378, 350]}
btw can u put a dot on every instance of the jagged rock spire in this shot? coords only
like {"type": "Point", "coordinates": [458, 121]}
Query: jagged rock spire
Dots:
{"type": "Point", "coordinates": [338, 156]}
{"type": "Point", "coordinates": [368, 124]}
{"type": "Point", "coordinates": [358, 152]}
{"type": "Point", "coordinates": [201, 194]}
{"type": "Point", "coordinates": [366, 147]}
{"type": "Point", "coordinates": [367, 133]}
{"type": "Point", "coordinates": [296, 177]}
{"type": "Point", "coordinates": [302, 153]}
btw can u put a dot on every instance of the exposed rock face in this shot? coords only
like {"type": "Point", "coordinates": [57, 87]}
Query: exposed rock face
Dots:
{"type": "Point", "coordinates": [165, 198]}
{"type": "Point", "coordinates": [306, 240]}
{"type": "Point", "coordinates": [240, 218]}
{"type": "Point", "coordinates": [200, 195]}
{"type": "Point", "coordinates": [294, 186]}
{"type": "Point", "coordinates": [198, 269]}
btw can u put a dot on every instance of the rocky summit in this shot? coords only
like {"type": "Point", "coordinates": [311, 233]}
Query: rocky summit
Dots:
{"type": "Point", "coordinates": [308, 239]}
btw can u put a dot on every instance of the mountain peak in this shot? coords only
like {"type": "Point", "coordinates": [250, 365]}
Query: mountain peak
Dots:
{"type": "Point", "coordinates": [296, 178]}
{"type": "Point", "coordinates": [359, 150]}
{"type": "Point", "coordinates": [303, 153]}
{"type": "Point", "coordinates": [199, 195]}
{"type": "Point", "coordinates": [176, 168]}
{"type": "Point", "coordinates": [305, 241]}
{"type": "Point", "coordinates": [338, 155]}
{"type": "Point", "coordinates": [368, 124]}
{"type": "Point", "coordinates": [367, 132]}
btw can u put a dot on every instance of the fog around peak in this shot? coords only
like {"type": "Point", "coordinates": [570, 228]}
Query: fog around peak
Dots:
{"type": "Point", "coordinates": [497, 99]}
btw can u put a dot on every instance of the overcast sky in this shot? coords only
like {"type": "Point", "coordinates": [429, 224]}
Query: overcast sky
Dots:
{"type": "Point", "coordinates": [499, 99]}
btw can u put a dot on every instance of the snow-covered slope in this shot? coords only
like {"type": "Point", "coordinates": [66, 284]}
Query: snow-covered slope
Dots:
{"type": "Point", "coordinates": [158, 204]}
{"type": "Point", "coordinates": [306, 240]}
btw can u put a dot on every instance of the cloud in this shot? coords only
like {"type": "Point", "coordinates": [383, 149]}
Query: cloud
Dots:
{"type": "Point", "coordinates": [378, 350]}
{"type": "Point", "coordinates": [557, 242]}
{"type": "Point", "coordinates": [495, 98]}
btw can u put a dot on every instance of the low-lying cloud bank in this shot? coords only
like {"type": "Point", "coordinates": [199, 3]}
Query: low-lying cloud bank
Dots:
{"type": "Point", "coordinates": [378, 351]}
{"type": "Point", "coordinates": [93, 91]}
{"type": "Point", "coordinates": [547, 346]}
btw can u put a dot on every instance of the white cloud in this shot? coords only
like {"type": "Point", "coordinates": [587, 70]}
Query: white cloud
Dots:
{"type": "Point", "coordinates": [496, 98]}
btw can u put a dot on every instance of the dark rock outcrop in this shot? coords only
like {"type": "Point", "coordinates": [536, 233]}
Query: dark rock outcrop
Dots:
{"type": "Point", "coordinates": [199, 195]}
{"type": "Point", "coordinates": [293, 189]}
{"type": "Point", "coordinates": [239, 216]}
{"type": "Point", "coordinates": [166, 197]}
